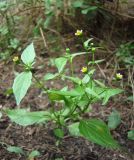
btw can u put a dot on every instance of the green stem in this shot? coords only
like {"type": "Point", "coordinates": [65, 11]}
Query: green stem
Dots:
{"type": "Point", "coordinates": [40, 83]}
{"type": "Point", "coordinates": [71, 66]}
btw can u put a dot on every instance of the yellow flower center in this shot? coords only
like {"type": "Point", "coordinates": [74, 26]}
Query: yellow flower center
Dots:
{"type": "Point", "coordinates": [84, 69]}
{"type": "Point", "coordinates": [15, 59]}
{"type": "Point", "coordinates": [78, 33]}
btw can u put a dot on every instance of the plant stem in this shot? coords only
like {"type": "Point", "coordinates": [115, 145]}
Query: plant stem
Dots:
{"type": "Point", "coordinates": [71, 66]}
{"type": "Point", "coordinates": [40, 83]}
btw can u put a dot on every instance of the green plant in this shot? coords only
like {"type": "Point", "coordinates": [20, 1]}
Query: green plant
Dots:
{"type": "Point", "coordinates": [73, 103]}
{"type": "Point", "coordinates": [19, 151]}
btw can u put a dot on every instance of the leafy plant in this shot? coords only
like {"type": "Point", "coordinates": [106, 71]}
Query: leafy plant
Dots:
{"type": "Point", "coordinates": [18, 150]}
{"type": "Point", "coordinates": [14, 149]}
{"type": "Point", "coordinates": [73, 103]}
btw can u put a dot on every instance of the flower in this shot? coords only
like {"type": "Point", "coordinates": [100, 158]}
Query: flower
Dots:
{"type": "Point", "coordinates": [15, 59]}
{"type": "Point", "coordinates": [119, 76]}
{"type": "Point", "coordinates": [84, 70]}
{"type": "Point", "coordinates": [79, 33]}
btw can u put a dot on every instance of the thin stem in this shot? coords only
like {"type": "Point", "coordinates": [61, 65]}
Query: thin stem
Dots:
{"type": "Point", "coordinates": [40, 83]}
{"type": "Point", "coordinates": [71, 66]}
{"type": "Point", "coordinates": [46, 90]}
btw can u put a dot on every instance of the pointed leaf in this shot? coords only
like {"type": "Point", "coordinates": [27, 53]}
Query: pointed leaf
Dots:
{"type": "Point", "coordinates": [86, 79]}
{"type": "Point", "coordinates": [97, 132]}
{"type": "Point", "coordinates": [109, 93]}
{"type": "Point", "coordinates": [50, 76]}
{"type": "Point", "coordinates": [73, 79]}
{"type": "Point", "coordinates": [86, 43]}
{"type": "Point", "coordinates": [14, 149]}
{"type": "Point", "coordinates": [25, 118]}
{"type": "Point", "coordinates": [28, 54]}
{"type": "Point", "coordinates": [21, 84]}
{"type": "Point", "coordinates": [72, 93]}
{"type": "Point", "coordinates": [60, 63]}
{"type": "Point", "coordinates": [74, 129]}
{"type": "Point", "coordinates": [92, 92]}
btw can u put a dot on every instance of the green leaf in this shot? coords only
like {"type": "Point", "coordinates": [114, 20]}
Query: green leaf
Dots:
{"type": "Point", "coordinates": [33, 154]}
{"type": "Point", "coordinates": [14, 149]}
{"type": "Point", "coordinates": [92, 92]}
{"type": "Point", "coordinates": [28, 54]}
{"type": "Point", "coordinates": [50, 76]}
{"type": "Point", "coordinates": [86, 79]}
{"type": "Point", "coordinates": [21, 84]}
{"type": "Point", "coordinates": [114, 119]}
{"type": "Point", "coordinates": [73, 79]}
{"type": "Point", "coordinates": [97, 131]}
{"type": "Point", "coordinates": [99, 83]}
{"type": "Point", "coordinates": [25, 118]}
{"type": "Point", "coordinates": [83, 101]}
{"type": "Point", "coordinates": [60, 63]}
{"type": "Point", "coordinates": [86, 43]}
{"type": "Point", "coordinates": [74, 129]}
{"type": "Point", "coordinates": [131, 135]}
{"type": "Point", "coordinates": [72, 93]}
{"type": "Point", "coordinates": [55, 97]}
{"type": "Point", "coordinates": [59, 133]}
{"type": "Point", "coordinates": [109, 93]}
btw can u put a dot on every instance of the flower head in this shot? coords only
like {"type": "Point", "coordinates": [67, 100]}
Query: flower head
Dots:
{"type": "Point", "coordinates": [119, 76]}
{"type": "Point", "coordinates": [16, 59]}
{"type": "Point", "coordinates": [79, 33]}
{"type": "Point", "coordinates": [84, 70]}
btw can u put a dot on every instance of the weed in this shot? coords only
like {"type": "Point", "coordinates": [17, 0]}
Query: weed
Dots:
{"type": "Point", "coordinates": [73, 103]}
